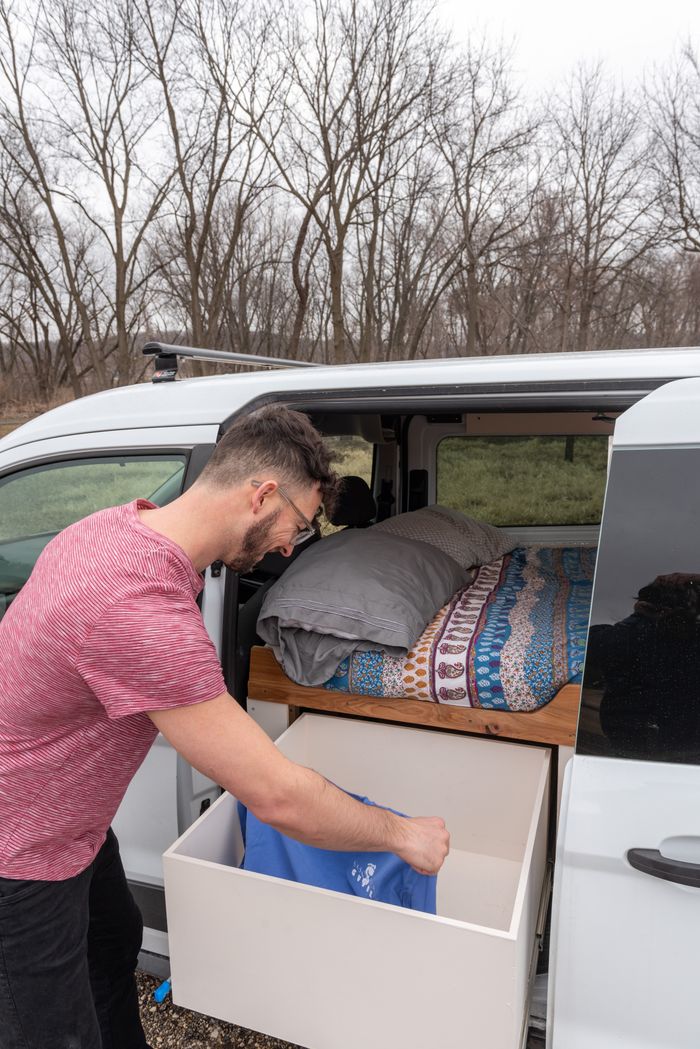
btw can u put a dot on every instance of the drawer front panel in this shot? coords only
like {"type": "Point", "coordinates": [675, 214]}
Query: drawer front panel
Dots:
{"type": "Point", "coordinates": [328, 971]}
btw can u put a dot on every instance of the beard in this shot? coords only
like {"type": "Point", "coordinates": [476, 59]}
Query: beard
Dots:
{"type": "Point", "coordinates": [254, 545]}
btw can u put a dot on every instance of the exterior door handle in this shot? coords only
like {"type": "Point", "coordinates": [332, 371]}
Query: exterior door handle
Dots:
{"type": "Point", "coordinates": [650, 861]}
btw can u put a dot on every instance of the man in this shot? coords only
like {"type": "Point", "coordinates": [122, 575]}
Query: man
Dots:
{"type": "Point", "coordinates": [103, 648]}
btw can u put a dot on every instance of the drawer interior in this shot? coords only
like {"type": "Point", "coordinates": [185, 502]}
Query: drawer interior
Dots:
{"type": "Point", "coordinates": [491, 795]}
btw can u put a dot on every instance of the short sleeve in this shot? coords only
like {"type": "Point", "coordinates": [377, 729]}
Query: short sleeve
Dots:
{"type": "Point", "coordinates": [150, 652]}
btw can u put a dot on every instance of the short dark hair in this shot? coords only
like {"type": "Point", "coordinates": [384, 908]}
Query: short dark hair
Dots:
{"type": "Point", "coordinates": [274, 439]}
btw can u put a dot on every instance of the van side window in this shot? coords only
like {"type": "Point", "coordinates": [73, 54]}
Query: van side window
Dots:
{"type": "Point", "coordinates": [512, 481]}
{"type": "Point", "coordinates": [38, 502]}
{"type": "Point", "coordinates": [354, 456]}
{"type": "Point", "coordinates": [641, 686]}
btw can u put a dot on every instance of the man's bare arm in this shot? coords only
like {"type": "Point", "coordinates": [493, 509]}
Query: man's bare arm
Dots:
{"type": "Point", "coordinates": [220, 740]}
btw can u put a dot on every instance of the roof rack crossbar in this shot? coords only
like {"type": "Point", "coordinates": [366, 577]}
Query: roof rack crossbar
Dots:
{"type": "Point", "coordinates": [252, 360]}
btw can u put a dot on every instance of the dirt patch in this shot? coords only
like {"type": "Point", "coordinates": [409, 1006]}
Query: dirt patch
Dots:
{"type": "Point", "coordinates": [8, 424]}
{"type": "Point", "coordinates": [14, 413]}
{"type": "Point", "coordinates": [169, 1027]}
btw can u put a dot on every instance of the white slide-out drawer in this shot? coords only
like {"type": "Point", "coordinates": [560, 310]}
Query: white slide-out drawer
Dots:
{"type": "Point", "coordinates": [330, 971]}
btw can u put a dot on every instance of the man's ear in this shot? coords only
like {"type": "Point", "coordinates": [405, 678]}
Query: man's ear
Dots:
{"type": "Point", "coordinates": [261, 493]}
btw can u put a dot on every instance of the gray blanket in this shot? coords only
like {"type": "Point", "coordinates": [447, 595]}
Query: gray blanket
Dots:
{"type": "Point", "coordinates": [357, 589]}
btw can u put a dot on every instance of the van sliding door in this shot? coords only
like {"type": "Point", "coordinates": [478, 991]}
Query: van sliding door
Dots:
{"type": "Point", "coordinates": [626, 917]}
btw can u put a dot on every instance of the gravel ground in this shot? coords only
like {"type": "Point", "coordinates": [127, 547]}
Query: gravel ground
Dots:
{"type": "Point", "coordinates": [169, 1027]}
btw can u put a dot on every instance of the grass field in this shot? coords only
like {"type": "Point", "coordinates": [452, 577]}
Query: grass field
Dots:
{"type": "Point", "coordinates": [523, 480]}
{"type": "Point", "coordinates": [49, 498]}
{"type": "Point", "coordinates": [353, 456]}
{"type": "Point", "coordinates": [507, 480]}
{"type": "Point", "coordinates": [503, 480]}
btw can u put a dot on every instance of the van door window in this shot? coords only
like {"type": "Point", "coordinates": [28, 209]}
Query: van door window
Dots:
{"type": "Point", "coordinates": [641, 688]}
{"type": "Point", "coordinates": [38, 502]}
{"type": "Point", "coordinates": [512, 481]}
{"type": "Point", "coordinates": [354, 457]}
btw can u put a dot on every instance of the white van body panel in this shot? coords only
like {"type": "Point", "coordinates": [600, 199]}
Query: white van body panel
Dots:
{"type": "Point", "coordinates": [623, 967]}
{"type": "Point", "coordinates": [147, 817]}
{"type": "Point", "coordinates": [209, 401]}
{"type": "Point", "coordinates": [42, 447]}
{"type": "Point", "coordinates": [616, 930]}
{"type": "Point", "coordinates": [669, 416]}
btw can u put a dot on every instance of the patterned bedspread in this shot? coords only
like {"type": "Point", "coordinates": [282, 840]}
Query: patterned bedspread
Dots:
{"type": "Point", "coordinates": [509, 641]}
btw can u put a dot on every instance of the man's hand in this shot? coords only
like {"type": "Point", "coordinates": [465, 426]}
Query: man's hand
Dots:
{"type": "Point", "coordinates": [427, 844]}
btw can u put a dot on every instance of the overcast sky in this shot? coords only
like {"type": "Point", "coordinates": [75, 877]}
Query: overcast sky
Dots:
{"type": "Point", "coordinates": [550, 37]}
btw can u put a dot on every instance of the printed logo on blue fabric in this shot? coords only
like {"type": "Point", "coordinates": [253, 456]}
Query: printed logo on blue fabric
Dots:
{"type": "Point", "coordinates": [364, 876]}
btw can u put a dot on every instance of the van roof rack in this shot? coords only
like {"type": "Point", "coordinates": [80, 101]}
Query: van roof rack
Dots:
{"type": "Point", "coordinates": [166, 356]}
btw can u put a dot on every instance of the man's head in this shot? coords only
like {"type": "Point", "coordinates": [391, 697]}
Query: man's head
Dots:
{"type": "Point", "coordinates": [280, 470]}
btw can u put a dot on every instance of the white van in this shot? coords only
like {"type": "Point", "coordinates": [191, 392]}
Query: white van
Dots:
{"type": "Point", "coordinates": [595, 793]}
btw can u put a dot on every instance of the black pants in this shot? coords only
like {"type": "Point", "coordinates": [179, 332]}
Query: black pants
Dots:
{"type": "Point", "coordinates": [68, 951]}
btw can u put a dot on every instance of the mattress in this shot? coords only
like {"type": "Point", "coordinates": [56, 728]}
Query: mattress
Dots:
{"type": "Point", "coordinates": [508, 641]}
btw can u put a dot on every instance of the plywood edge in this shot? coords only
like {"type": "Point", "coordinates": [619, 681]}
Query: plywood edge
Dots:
{"type": "Point", "coordinates": [554, 723]}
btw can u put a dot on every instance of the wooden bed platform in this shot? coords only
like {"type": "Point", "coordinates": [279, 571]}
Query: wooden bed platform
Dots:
{"type": "Point", "coordinates": [554, 723]}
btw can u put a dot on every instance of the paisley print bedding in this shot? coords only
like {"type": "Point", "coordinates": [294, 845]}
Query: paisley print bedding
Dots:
{"type": "Point", "coordinates": [508, 641]}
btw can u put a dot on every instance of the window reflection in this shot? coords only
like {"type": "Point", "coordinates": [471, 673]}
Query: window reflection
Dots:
{"type": "Point", "coordinates": [642, 672]}
{"type": "Point", "coordinates": [641, 683]}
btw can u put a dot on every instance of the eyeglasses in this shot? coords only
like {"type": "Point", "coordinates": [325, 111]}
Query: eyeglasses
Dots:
{"type": "Point", "coordinates": [304, 533]}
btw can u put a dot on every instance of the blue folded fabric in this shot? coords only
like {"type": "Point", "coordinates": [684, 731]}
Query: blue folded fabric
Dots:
{"type": "Point", "coordinates": [370, 875]}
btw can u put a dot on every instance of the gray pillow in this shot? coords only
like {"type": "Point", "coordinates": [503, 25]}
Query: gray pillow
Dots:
{"type": "Point", "coordinates": [468, 541]}
{"type": "Point", "coordinates": [360, 588]}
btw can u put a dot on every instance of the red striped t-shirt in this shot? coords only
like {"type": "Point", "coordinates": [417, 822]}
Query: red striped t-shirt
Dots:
{"type": "Point", "coordinates": [106, 628]}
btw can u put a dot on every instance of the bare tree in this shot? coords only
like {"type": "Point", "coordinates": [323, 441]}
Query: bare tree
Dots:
{"type": "Point", "coordinates": [358, 79]}
{"type": "Point", "coordinates": [674, 111]}
{"type": "Point", "coordinates": [601, 175]}
{"type": "Point", "coordinates": [523, 289]}
{"type": "Point", "coordinates": [666, 296]}
{"type": "Point", "coordinates": [103, 124]}
{"type": "Point", "coordinates": [26, 333]}
{"type": "Point", "coordinates": [204, 55]}
{"type": "Point", "coordinates": [77, 113]}
{"type": "Point", "coordinates": [486, 142]}
{"type": "Point", "coordinates": [28, 175]}
{"type": "Point", "coordinates": [39, 314]}
{"type": "Point", "coordinates": [330, 179]}
{"type": "Point", "coordinates": [404, 257]}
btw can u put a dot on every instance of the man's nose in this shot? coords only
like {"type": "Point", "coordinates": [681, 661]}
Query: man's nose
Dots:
{"type": "Point", "coordinates": [286, 550]}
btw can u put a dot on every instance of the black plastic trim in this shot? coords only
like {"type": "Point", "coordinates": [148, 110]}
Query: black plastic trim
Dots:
{"type": "Point", "coordinates": [650, 861]}
{"type": "Point", "coordinates": [198, 459]}
{"type": "Point", "coordinates": [587, 393]}
{"type": "Point", "coordinates": [89, 433]}
{"type": "Point", "coordinates": [151, 902]}
{"type": "Point", "coordinates": [98, 453]}
{"type": "Point", "coordinates": [229, 635]}
{"type": "Point", "coordinates": [403, 453]}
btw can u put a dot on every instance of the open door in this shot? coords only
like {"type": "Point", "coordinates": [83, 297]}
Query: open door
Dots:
{"type": "Point", "coordinates": [626, 917]}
